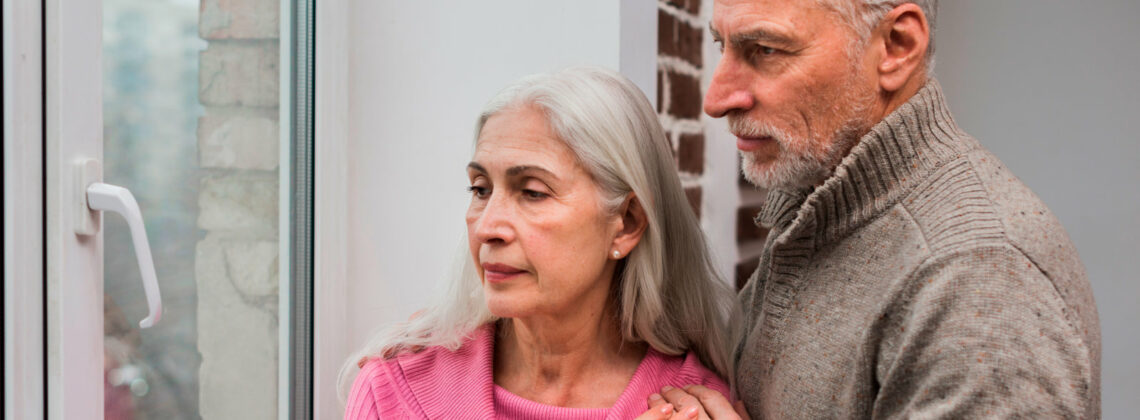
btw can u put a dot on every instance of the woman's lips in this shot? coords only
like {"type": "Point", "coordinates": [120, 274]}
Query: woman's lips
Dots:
{"type": "Point", "coordinates": [749, 144]}
{"type": "Point", "coordinates": [496, 273]}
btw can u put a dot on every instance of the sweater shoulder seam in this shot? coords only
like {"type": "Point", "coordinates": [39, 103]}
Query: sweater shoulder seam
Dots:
{"type": "Point", "coordinates": [972, 216]}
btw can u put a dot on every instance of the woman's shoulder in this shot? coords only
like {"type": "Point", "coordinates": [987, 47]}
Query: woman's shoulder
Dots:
{"type": "Point", "coordinates": [376, 392]}
{"type": "Point", "coordinates": [475, 351]}
{"type": "Point", "coordinates": [402, 382]}
{"type": "Point", "coordinates": [658, 370]}
{"type": "Point", "coordinates": [687, 369]}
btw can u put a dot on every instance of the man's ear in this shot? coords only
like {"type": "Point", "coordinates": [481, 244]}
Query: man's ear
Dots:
{"type": "Point", "coordinates": [904, 34]}
{"type": "Point", "coordinates": [633, 225]}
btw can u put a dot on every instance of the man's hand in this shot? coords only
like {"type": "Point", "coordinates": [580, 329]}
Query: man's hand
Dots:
{"type": "Point", "coordinates": [693, 402]}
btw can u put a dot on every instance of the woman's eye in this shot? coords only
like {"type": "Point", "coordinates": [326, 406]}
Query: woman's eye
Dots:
{"type": "Point", "coordinates": [533, 195]}
{"type": "Point", "coordinates": [478, 192]}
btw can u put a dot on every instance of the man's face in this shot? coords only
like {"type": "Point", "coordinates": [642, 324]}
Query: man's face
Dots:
{"type": "Point", "coordinates": [794, 97]}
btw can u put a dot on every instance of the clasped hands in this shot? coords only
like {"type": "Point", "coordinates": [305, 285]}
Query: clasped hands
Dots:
{"type": "Point", "coordinates": [692, 402]}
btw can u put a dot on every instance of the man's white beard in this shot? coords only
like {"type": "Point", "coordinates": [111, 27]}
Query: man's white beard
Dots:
{"type": "Point", "coordinates": [799, 168]}
{"type": "Point", "coordinates": [797, 165]}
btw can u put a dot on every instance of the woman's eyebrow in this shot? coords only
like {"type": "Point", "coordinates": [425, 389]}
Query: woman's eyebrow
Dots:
{"type": "Point", "coordinates": [515, 171]}
{"type": "Point", "coordinates": [522, 169]}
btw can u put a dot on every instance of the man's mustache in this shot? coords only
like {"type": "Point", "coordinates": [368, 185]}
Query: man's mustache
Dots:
{"type": "Point", "coordinates": [742, 126]}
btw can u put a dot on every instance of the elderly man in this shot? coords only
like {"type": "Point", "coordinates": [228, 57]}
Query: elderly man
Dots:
{"type": "Point", "coordinates": [907, 272]}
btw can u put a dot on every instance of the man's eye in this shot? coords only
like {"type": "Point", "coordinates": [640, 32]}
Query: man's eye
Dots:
{"type": "Point", "coordinates": [762, 53]}
{"type": "Point", "coordinates": [478, 192]}
{"type": "Point", "coordinates": [719, 46]}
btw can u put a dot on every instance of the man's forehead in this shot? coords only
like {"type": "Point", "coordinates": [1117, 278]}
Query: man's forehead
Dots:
{"type": "Point", "coordinates": [730, 16]}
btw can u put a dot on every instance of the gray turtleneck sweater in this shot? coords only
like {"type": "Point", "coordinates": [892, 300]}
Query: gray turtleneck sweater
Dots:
{"type": "Point", "coordinates": [921, 280]}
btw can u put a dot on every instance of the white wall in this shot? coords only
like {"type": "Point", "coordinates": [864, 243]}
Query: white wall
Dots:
{"type": "Point", "coordinates": [418, 74]}
{"type": "Point", "coordinates": [1052, 88]}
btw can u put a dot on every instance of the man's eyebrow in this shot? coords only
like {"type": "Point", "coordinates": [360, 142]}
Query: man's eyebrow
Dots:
{"type": "Point", "coordinates": [751, 36]}
{"type": "Point", "coordinates": [760, 35]}
{"type": "Point", "coordinates": [477, 167]}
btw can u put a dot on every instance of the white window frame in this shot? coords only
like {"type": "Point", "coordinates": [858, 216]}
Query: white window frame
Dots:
{"type": "Point", "coordinates": [330, 341]}
{"type": "Point", "coordinates": [24, 372]}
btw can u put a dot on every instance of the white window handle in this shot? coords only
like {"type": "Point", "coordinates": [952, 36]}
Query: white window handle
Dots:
{"type": "Point", "coordinates": [105, 197]}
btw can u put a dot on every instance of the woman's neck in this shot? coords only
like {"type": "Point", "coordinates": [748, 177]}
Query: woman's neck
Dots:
{"type": "Point", "coordinates": [575, 361]}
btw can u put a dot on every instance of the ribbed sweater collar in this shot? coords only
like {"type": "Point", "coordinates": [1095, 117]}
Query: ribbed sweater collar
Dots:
{"type": "Point", "coordinates": [879, 170]}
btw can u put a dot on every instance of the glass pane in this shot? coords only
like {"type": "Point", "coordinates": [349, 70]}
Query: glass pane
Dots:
{"type": "Point", "coordinates": [191, 95]}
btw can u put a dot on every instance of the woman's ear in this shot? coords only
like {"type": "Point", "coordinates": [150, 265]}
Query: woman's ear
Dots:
{"type": "Point", "coordinates": [632, 226]}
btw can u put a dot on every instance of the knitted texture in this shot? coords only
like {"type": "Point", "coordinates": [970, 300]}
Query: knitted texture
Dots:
{"type": "Point", "coordinates": [921, 280]}
{"type": "Point", "coordinates": [440, 384]}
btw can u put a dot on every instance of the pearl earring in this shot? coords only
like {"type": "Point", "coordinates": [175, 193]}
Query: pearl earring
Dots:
{"type": "Point", "coordinates": [617, 254]}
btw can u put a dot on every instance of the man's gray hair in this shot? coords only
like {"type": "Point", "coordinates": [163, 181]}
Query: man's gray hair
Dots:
{"type": "Point", "coordinates": [863, 16]}
{"type": "Point", "coordinates": [666, 290]}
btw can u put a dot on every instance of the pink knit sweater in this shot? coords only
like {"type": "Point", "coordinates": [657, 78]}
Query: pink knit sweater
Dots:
{"type": "Point", "coordinates": [440, 384]}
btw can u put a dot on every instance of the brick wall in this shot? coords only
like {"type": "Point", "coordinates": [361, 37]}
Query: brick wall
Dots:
{"type": "Point", "coordinates": [681, 27]}
{"type": "Point", "coordinates": [749, 237]}
{"type": "Point", "coordinates": [236, 261]}
{"type": "Point", "coordinates": [679, 93]}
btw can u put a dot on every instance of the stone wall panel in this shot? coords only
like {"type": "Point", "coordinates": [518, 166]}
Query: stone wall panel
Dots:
{"type": "Point", "coordinates": [239, 74]}
{"type": "Point", "coordinates": [239, 203]}
{"type": "Point", "coordinates": [237, 312]}
{"type": "Point", "coordinates": [237, 142]}
{"type": "Point", "coordinates": [239, 19]}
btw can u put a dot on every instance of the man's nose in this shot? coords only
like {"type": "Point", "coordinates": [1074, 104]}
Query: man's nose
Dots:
{"type": "Point", "coordinates": [729, 89]}
{"type": "Point", "coordinates": [495, 224]}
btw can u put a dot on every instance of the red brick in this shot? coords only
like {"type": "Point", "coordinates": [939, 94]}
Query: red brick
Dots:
{"type": "Point", "coordinates": [678, 39]}
{"type": "Point", "coordinates": [746, 229]}
{"type": "Point", "coordinates": [744, 270]}
{"type": "Point", "coordinates": [691, 153]}
{"type": "Point", "coordinates": [684, 96]}
{"type": "Point", "coordinates": [694, 196]}
{"type": "Point", "coordinates": [660, 92]}
{"type": "Point", "coordinates": [691, 6]}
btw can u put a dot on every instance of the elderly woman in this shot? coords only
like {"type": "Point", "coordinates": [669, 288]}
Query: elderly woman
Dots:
{"type": "Point", "coordinates": [589, 286]}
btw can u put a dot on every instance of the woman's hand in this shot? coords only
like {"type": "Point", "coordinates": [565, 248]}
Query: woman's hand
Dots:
{"type": "Point", "coordinates": [693, 402]}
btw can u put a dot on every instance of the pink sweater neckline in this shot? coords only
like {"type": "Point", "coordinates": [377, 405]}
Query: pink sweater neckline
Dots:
{"type": "Point", "coordinates": [509, 405]}
{"type": "Point", "coordinates": [437, 383]}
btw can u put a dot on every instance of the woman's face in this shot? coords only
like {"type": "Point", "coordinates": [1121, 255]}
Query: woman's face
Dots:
{"type": "Point", "coordinates": [539, 236]}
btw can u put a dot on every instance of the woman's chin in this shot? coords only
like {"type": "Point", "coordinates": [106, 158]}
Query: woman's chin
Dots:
{"type": "Point", "coordinates": [505, 307]}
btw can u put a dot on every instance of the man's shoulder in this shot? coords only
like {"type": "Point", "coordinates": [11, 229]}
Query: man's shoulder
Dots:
{"type": "Point", "coordinates": [983, 225]}
{"type": "Point", "coordinates": [975, 200]}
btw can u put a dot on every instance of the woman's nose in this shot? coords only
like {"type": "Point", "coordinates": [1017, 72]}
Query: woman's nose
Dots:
{"type": "Point", "coordinates": [729, 89]}
{"type": "Point", "coordinates": [495, 222]}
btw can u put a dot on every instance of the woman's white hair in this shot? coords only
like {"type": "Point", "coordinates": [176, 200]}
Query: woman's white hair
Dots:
{"type": "Point", "coordinates": [666, 290]}
{"type": "Point", "coordinates": [862, 16]}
